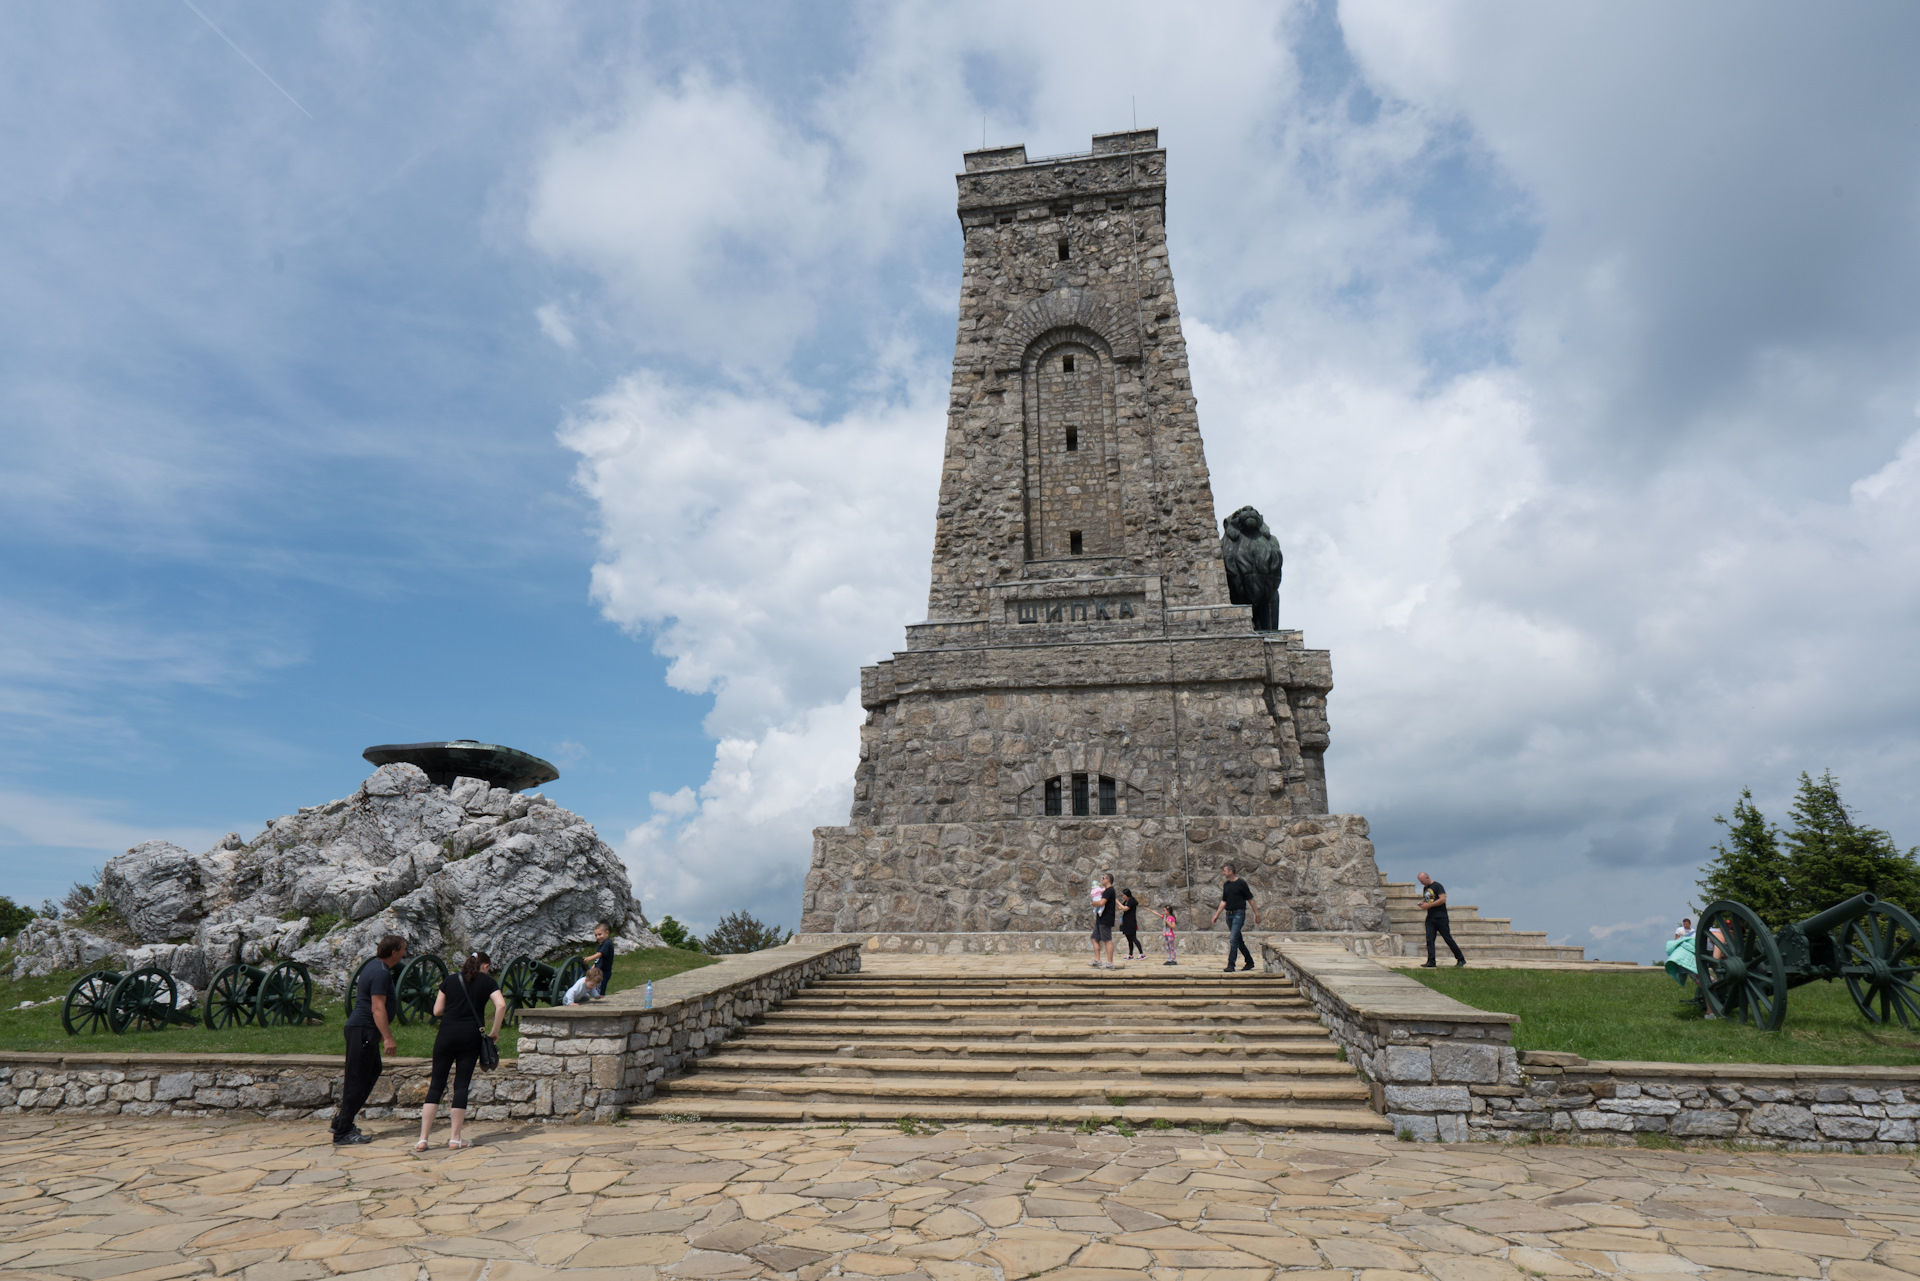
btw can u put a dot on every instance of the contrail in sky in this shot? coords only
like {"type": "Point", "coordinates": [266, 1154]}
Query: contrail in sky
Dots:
{"type": "Point", "coordinates": [243, 53]}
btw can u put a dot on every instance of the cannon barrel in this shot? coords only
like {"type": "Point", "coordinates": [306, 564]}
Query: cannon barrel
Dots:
{"type": "Point", "coordinates": [1837, 915]}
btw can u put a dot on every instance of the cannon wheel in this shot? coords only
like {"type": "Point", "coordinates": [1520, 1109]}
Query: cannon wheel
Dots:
{"type": "Point", "coordinates": [1880, 958]}
{"type": "Point", "coordinates": [229, 998]}
{"type": "Point", "coordinates": [520, 985]}
{"type": "Point", "coordinates": [285, 995]}
{"type": "Point", "coordinates": [1747, 980]}
{"type": "Point", "coordinates": [420, 980]}
{"type": "Point", "coordinates": [88, 1003]}
{"type": "Point", "coordinates": [568, 975]}
{"type": "Point", "coordinates": [143, 1001]}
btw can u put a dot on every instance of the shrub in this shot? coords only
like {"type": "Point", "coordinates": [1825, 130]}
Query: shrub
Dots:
{"type": "Point", "coordinates": [13, 917]}
{"type": "Point", "coordinates": [674, 934]}
{"type": "Point", "coordinates": [738, 932]}
{"type": "Point", "coordinates": [81, 897]}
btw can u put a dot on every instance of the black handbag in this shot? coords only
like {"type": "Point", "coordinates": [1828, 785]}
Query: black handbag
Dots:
{"type": "Point", "coordinates": [489, 1048]}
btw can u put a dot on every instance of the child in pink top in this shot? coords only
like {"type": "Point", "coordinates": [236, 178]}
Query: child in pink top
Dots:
{"type": "Point", "coordinates": [1166, 935]}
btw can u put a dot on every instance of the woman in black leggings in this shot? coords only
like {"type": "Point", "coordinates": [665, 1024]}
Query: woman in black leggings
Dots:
{"type": "Point", "coordinates": [458, 1007]}
{"type": "Point", "coordinates": [1130, 923]}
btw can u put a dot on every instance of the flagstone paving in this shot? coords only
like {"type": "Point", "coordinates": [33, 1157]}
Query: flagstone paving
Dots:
{"type": "Point", "coordinates": [652, 1201]}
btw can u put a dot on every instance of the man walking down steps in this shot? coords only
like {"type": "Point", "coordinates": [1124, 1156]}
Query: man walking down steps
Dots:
{"type": "Point", "coordinates": [1433, 901]}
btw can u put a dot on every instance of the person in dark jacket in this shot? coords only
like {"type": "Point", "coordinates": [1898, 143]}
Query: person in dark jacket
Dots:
{"type": "Point", "coordinates": [1130, 923]}
{"type": "Point", "coordinates": [1236, 900]}
{"type": "Point", "coordinates": [369, 1030]}
{"type": "Point", "coordinates": [458, 1006]}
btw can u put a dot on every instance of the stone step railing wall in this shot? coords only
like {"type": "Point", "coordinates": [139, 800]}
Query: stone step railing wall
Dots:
{"type": "Point", "coordinates": [575, 1062]}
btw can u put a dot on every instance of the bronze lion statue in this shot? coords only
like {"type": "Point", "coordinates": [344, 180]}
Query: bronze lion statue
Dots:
{"type": "Point", "coordinates": [1253, 559]}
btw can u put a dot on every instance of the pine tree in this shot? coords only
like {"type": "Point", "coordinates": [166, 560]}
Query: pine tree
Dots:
{"type": "Point", "coordinates": [1831, 858]}
{"type": "Point", "coordinates": [739, 932]}
{"type": "Point", "coordinates": [1749, 866]}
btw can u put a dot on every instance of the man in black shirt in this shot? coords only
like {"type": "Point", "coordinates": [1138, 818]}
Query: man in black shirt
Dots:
{"type": "Point", "coordinates": [601, 956]}
{"type": "Point", "coordinates": [1103, 924]}
{"type": "Point", "coordinates": [1433, 901]}
{"type": "Point", "coordinates": [1236, 900]}
{"type": "Point", "coordinates": [369, 1030]}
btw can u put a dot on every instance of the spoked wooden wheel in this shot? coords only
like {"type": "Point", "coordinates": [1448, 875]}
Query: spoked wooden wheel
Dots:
{"type": "Point", "coordinates": [569, 975]}
{"type": "Point", "coordinates": [1880, 959]}
{"type": "Point", "coordinates": [419, 982]}
{"type": "Point", "coordinates": [229, 998]}
{"type": "Point", "coordinates": [89, 1003]}
{"type": "Point", "coordinates": [520, 985]}
{"type": "Point", "coordinates": [353, 981]}
{"type": "Point", "coordinates": [143, 1001]}
{"type": "Point", "coordinates": [1739, 966]}
{"type": "Point", "coordinates": [286, 995]}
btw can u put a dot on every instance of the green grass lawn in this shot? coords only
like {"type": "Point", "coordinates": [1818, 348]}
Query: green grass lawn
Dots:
{"type": "Point", "coordinates": [39, 1028]}
{"type": "Point", "coordinates": [1647, 1016]}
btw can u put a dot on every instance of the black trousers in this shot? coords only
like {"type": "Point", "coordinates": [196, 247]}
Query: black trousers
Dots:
{"type": "Point", "coordinates": [457, 1047]}
{"type": "Point", "coordinates": [1133, 941]}
{"type": "Point", "coordinates": [1438, 926]}
{"type": "Point", "coordinates": [363, 1069]}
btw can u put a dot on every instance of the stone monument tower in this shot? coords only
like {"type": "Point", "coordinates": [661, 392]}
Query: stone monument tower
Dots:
{"type": "Point", "coordinates": [1082, 697]}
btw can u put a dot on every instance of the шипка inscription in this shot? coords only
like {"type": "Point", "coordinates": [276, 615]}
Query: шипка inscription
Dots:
{"type": "Point", "coordinates": [1084, 695]}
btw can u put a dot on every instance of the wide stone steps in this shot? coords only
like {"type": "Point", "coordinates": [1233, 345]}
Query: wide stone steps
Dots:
{"type": "Point", "coordinates": [1179, 1050]}
{"type": "Point", "coordinates": [1307, 1044]}
{"type": "Point", "coordinates": [1483, 940]}
{"type": "Point", "coordinates": [1341, 1119]}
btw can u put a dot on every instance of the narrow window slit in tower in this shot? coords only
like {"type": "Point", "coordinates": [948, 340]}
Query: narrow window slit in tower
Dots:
{"type": "Point", "coordinates": [1073, 440]}
{"type": "Point", "coordinates": [1073, 541]}
{"type": "Point", "coordinates": [1053, 798]}
{"type": "Point", "coordinates": [1066, 364]}
{"type": "Point", "coordinates": [1080, 808]}
{"type": "Point", "coordinates": [1006, 220]}
{"type": "Point", "coordinates": [1109, 796]}
{"type": "Point", "coordinates": [1065, 252]}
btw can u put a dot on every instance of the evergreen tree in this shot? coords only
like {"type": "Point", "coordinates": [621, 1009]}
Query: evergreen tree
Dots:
{"type": "Point", "coordinates": [1748, 866]}
{"type": "Point", "coordinates": [674, 934]}
{"type": "Point", "coordinates": [739, 932]}
{"type": "Point", "coordinates": [1831, 858]}
{"type": "Point", "coordinates": [13, 917]}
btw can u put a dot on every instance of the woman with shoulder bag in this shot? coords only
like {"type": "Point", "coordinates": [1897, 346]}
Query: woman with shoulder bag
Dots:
{"type": "Point", "coordinates": [460, 1043]}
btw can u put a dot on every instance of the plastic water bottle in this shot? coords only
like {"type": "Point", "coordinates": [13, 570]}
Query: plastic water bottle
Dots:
{"type": "Point", "coordinates": [649, 1004]}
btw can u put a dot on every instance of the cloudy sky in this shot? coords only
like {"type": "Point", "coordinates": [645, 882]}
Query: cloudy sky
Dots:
{"type": "Point", "coordinates": [573, 377]}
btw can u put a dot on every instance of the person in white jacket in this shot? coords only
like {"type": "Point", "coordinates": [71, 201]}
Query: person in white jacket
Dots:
{"type": "Point", "coordinates": [583, 989]}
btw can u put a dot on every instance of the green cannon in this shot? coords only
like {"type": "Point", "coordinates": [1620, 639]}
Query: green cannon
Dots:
{"type": "Point", "coordinates": [1746, 970]}
{"type": "Point", "coordinates": [416, 981]}
{"type": "Point", "coordinates": [527, 982]}
{"type": "Point", "coordinates": [145, 1000]}
{"type": "Point", "coordinates": [273, 997]}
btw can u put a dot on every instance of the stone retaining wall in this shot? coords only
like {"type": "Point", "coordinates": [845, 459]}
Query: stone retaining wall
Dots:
{"type": "Point", "coordinates": [575, 1063]}
{"type": "Point", "coordinates": [1433, 1062]}
{"type": "Point", "coordinates": [1863, 1109]}
{"type": "Point", "coordinates": [598, 1058]}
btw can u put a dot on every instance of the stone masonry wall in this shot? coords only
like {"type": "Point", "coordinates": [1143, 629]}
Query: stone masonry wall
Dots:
{"type": "Point", "coordinates": [1863, 1109]}
{"type": "Point", "coordinates": [970, 735]}
{"type": "Point", "coordinates": [1314, 873]}
{"type": "Point", "coordinates": [576, 1063]}
{"type": "Point", "coordinates": [1433, 1063]}
{"type": "Point", "coordinates": [613, 1053]}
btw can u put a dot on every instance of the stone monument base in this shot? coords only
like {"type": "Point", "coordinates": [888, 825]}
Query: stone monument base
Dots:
{"type": "Point", "coordinates": [1077, 943]}
{"type": "Point", "coordinates": [1311, 873]}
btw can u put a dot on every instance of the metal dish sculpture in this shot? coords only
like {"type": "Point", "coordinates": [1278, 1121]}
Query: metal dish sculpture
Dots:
{"type": "Point", "coordinates": [145, 1000]}
{"type": "Point", "coordinates": [1746, 970]}
{"type": "Point", "coordinates": [527, 983]}
{"type": "Point", "coordinates": [243, 994]}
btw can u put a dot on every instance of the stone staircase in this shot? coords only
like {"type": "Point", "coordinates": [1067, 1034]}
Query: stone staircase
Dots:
{"type": "Point", "coordinates": [1484, 940]}
{"type": "Point", "coordinates": [1183, 1049]}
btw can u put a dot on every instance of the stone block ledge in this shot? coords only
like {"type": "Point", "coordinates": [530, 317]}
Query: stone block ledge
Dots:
{"type": "Point", "coordinates": [1432, 1061]}
{"type": "Point", "coordinates": [575, 1063]}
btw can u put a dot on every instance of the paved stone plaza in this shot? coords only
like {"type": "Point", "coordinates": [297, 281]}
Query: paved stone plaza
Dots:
{"type": "Point", "coordinates": [269, 1201]}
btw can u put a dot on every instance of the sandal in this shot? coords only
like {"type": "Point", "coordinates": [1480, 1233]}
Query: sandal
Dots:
{"type": "Point", "coordinates": [458, 1145]}
{"type": "Point", "coordinates": [421, 1146]}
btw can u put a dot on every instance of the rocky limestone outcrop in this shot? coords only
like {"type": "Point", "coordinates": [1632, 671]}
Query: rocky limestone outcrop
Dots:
{"type": "Point", "coordinates": [450, 869]}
